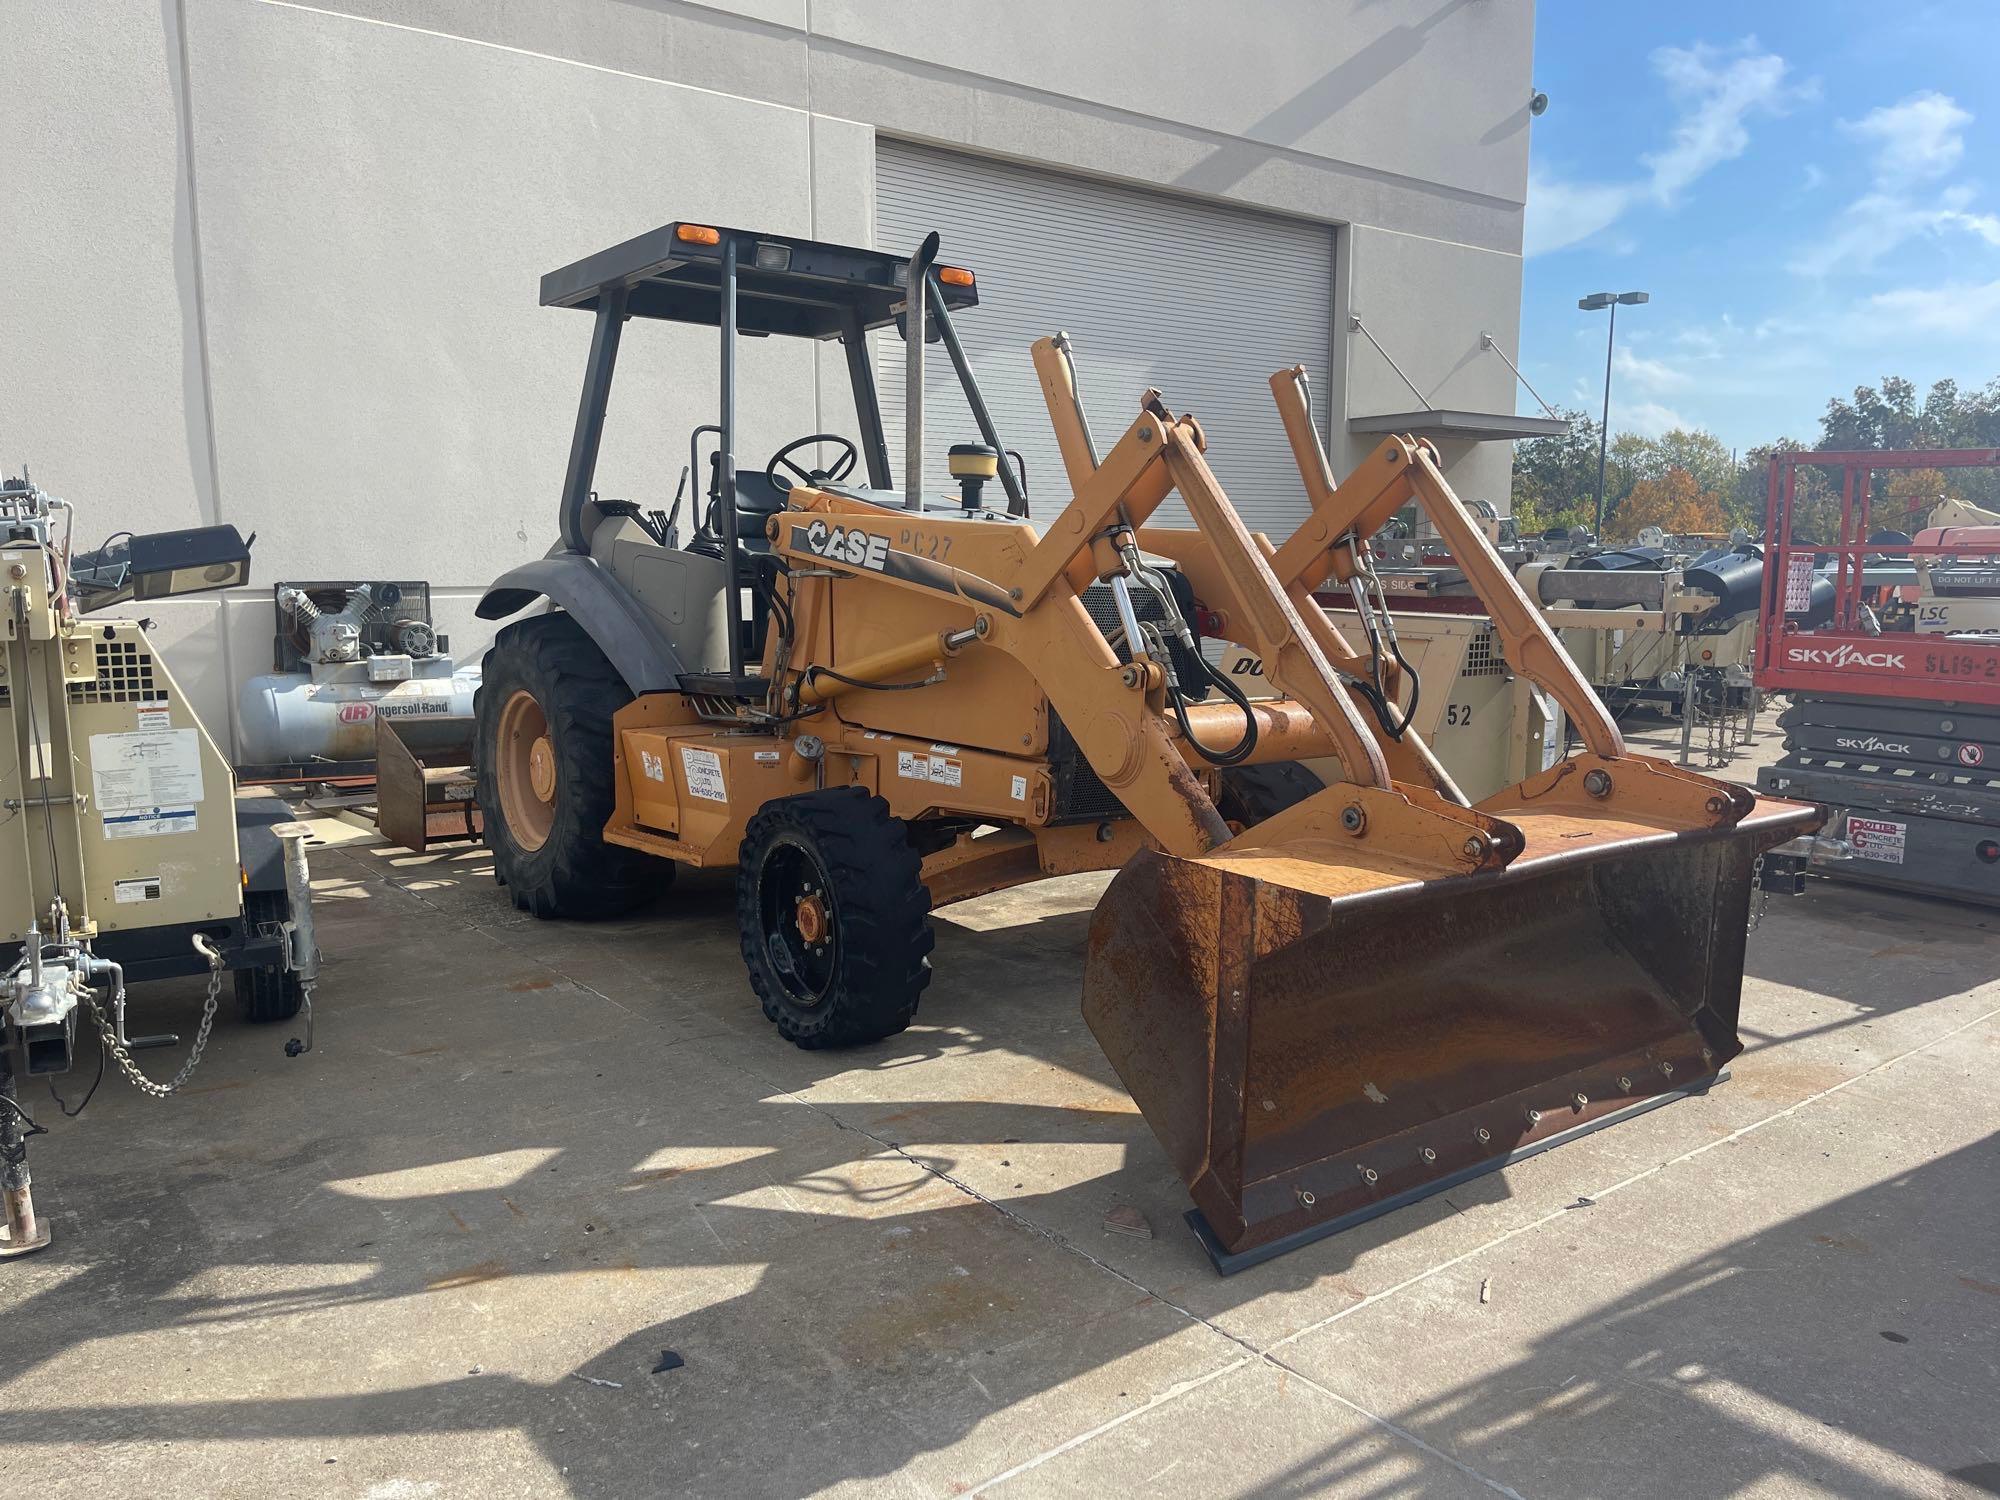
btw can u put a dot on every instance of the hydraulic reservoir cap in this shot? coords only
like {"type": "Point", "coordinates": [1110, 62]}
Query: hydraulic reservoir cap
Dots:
{"type": "Point", "coordinates": [969, 460]}
{"type": "Point", "coordinates": [972, 465]}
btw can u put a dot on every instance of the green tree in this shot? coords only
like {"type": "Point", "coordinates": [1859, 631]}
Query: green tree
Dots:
{"type": "Point", "coordinates": [1747, 498]}
{"type": "Point", "coordinates": [1909, 495]}
{"type": "Point", "coordinates": [1555, 478]}
{"type": "Point", "coordinates": [1639, 460]}
{"type": "Point", "coordinates": [1891, 416]}
{"type": "Point", "coordinates": [1815, 494]}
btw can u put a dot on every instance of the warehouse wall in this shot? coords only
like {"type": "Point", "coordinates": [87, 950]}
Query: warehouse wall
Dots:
{"type": "Point", "coordinates": [276, 264]}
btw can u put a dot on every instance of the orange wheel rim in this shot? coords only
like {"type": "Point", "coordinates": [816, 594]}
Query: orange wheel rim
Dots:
{"type": "Point", "coordinates": [525, 770]}
{"type": "Point", "coordinates": [812, 919]}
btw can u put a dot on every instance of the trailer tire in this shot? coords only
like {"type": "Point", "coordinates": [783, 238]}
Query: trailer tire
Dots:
{"type": "Point", "coordinates": [1250, 794]}
{"type": "Point", "coordinates": [271, 993]}
{"type": "Point", "coordinates": [833, 864]}
{"type": "Point", "coordinates": [546, 780]}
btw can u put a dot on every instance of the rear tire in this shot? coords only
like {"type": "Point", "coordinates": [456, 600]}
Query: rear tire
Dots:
{"type": "Point", "coordinates": [546, 778]}
{"type": "Point", "coordinates": [834, 918]}
{"type": "Point", "coordinates": [1250, 794]}
{"type": "Point", "coordinates": [268, 994]}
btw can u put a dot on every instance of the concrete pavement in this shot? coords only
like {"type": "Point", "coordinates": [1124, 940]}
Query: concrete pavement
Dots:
{"type": "Point", "coordinates": [443, 1253]}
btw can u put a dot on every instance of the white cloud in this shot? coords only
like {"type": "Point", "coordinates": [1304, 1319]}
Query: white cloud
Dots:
{"type": "Point", "coordinates": [1716, 89]}
{"type": "Point", "coordinates": [1562, 213]}
{"type": "Point", "coordinates": [1921, 136]}
{"type": "Point", "coordinates": [1961, 309]}
{"type": "Point", "coordinates": [1878, 223]}
{"type": "Point", "coordinates": [1650, 375]}
{"type": "Point", "coordinates": [1647, 418]}
{"type": "Point", "coordinates": [1814, 176]}
{"type": "Point", "coordinates": [1912, 142]}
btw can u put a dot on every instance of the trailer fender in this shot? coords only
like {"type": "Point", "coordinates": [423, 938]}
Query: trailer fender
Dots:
{"type": "Point", "coordinates": [257, 846]}
{"type": "Point", "coordinates": [602, 605]}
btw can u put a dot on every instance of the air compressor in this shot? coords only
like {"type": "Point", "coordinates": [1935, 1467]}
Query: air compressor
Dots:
{"type": "Point", "coordinates": [347, 657]}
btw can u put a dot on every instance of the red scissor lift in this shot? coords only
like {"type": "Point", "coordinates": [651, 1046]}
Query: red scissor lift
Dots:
{"type": "Point", "coordinates": [1895, 730]}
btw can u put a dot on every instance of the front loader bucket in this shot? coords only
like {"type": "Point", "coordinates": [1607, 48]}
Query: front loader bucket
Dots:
{"type": "Point", "coordinates": [1311, 1058]}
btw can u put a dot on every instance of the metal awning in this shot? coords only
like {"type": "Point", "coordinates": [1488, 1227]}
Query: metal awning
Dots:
{"type": "Point", "coordinates": [1464, 426]}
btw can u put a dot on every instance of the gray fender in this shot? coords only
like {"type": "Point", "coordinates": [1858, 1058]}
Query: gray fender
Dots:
{"type": "Point", "coordinates": [602, 605]}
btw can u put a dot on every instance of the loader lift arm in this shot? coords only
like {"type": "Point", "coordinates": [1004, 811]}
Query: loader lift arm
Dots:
{"type": "Point", "coordinates": [1314, 1040]}
{"type": "Point", "coordinates": [1117, 710]}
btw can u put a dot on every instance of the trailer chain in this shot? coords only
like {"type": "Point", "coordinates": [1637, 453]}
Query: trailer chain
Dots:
{"type": "Point", "coordinates": [1758, 895]}
{"type": "Point", "coordinates": [123, 1057]}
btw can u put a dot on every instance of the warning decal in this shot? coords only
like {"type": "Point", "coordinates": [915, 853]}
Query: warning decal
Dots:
{"type": "Point", "coordinates": [1877, 839]}
{"type": "Point", "coordinates": [941, 769]}
{"type": "Point", "coordinates": [145, 769]}
{"type": "Point", "coordinates": [704, 774]}
{"type": "Point", "coordinates": [149, 822]}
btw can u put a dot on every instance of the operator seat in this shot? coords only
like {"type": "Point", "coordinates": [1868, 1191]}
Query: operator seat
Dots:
{"type": "Point", "coordinates": [757, 500]}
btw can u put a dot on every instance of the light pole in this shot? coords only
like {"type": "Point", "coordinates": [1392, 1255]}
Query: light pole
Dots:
{"type": "Point", "coordinates": [1592, 303]}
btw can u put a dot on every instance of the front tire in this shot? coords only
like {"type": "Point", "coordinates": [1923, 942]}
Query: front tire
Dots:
{"type": "Point", "coordinates": [1250, 794]}
{"type": "Point", "coordinates": [834, 918]}
{"type": "Point", "coordinates": [546, 778]}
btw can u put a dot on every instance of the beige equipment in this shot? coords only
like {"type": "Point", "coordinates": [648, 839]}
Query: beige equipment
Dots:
{"type": "Point", "coordinates": [1959, 594]}
{"type": "Point", "coordinates": [1325, 999]}
{"type": "Point", "coordinates": [125, 854]}
{"type": "Point", "coordinates": [1641, 629]}
{"type": "Point", "coordinates": [1488, 726]}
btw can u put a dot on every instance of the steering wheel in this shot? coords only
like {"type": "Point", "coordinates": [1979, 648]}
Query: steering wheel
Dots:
{"type": "Point", "coordinates": [842, 466]}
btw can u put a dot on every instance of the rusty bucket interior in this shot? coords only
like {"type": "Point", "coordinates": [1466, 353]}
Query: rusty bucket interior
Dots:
{"type": "Point", "coordinates": [424, 792]}
{"type": "Point", "coordinates": [1312, 1060]}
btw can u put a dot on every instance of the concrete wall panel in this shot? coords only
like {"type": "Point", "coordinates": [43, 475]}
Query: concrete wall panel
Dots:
{"type": "Point", "coordinates": [101, 385]}
{"type": "Point", "coordinates": [378, 207]}
{"type": "Point", "coordinates": [1350, 81]}
{"type": "Point", "coordinates": [1427, 301]}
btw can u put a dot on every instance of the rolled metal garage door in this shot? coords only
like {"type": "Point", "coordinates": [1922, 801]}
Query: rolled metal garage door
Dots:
{"type": "Point", "coordinates": [1200, 299]}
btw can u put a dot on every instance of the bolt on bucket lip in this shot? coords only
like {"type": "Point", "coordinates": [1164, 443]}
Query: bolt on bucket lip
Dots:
{"type": "Point", "coordinates": [1228, 1262]}
{"type": "Point", "coordinates": [1389, 1171]}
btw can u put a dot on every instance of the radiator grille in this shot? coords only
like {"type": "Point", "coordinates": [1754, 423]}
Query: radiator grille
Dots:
{"type": "Point", "coordinates": [1080, 795]}
{"type": "Point", "coordinates": [1483, 658]}
{"type": "Point", "coordinates": [1102, 605]}
{"type": "Point", "coordinates": [124, 675]}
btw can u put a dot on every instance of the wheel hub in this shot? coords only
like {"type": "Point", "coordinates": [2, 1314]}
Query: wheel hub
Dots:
{"type": "Point", "coordinates": [811, 918]}
{"type": "Point", "coordinates": [542, 769]}
{"type": "Point", "coordinates": [524, 770]}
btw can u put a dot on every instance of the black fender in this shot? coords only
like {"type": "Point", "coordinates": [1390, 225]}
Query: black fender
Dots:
{"type": "Point", "coordinates": [603, 606]}
{"type": "Point", "coordinates": [258, 849]}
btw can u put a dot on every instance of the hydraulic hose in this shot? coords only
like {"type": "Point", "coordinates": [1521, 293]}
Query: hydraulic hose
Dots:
{"type": "Point", "coordinates": [1245, 747]}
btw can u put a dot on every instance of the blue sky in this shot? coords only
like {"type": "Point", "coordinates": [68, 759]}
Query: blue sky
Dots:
{"type": "Point", "coordinates": [1810, 191]}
